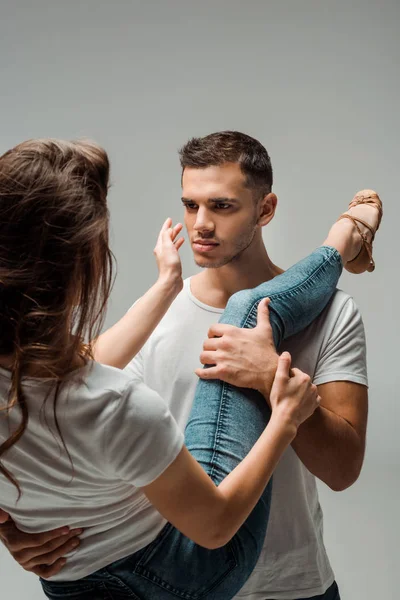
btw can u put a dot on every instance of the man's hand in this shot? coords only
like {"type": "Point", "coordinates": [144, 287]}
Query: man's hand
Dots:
{"type": "Point", "coordinates": [40, 553]}
{"type": "Point", "coordinates": [243, 357]}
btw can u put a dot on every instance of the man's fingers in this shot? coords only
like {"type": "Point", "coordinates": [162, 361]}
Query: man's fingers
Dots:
{"type": "Point", "coordinates": [208, 357]}
{"type": "Point", "coordinates": [3, 516]}
{"type": "Point", "coordinates": [263, 314]}
{"type": "Point", "coordinates": [49, 558]}
{"type": "Point", "coordinates": [16, 540]}
{"type": "Point", "coordinates": [210, 373]}
{"type": "Point", "coordinates": [211, 343]}
{"type": "Point", "coordinates": [36, 554]}
{"type": "Point", "coordinates": [38, 539]}
{"type": "Point", "coordinates": [46, 571]}
{"type": "Point", "coordinates": [218, 329]}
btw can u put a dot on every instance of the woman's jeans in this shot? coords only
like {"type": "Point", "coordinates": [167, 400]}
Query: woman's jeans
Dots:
{"type": "Point", "coordinates": [224, 424]}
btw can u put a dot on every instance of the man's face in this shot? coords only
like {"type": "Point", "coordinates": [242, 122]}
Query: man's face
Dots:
{"type": "Point", "coordinates": [221, 214]}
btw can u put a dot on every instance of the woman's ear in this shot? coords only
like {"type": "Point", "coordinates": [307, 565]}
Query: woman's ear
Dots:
{"type": "Point", "coordinates": [267, 209]}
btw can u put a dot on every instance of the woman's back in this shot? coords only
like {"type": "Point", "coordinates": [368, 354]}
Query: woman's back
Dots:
{"type": "Point", "coordinates": [119, 435]}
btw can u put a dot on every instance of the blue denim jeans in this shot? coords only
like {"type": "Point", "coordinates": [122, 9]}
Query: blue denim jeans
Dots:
{"type": "Point", "coordinates": [224, 424]}
{"type": "Point", "coordinates": [332, 593]}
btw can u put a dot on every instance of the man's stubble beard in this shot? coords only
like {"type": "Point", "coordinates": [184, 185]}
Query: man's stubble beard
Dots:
{"type": "Point", "coordinates": [242, 244]}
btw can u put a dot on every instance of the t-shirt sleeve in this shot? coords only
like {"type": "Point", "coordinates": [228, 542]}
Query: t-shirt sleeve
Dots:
{"type": "Point", "coordinates": [343, 357]}
{"type": "Point", "coordinates": [134, 369]}
{"type": "Point", "coordinates": [141, 437]}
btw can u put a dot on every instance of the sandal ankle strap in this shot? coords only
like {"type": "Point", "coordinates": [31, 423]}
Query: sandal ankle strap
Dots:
{"type": "Point", "coordinates": [374, 200]}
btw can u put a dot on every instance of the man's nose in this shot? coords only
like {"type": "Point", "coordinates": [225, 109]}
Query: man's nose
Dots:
{"type": "Point", "coordinates": [203, 222]}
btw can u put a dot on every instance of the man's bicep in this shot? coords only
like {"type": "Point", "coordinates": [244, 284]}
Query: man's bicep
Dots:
{"type": "Point", "coordinates": [349, 401]}
{"type": "Point", "coordinates": [343, 355]}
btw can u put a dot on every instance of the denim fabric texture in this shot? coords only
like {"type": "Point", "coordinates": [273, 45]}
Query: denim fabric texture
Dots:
{"type": "Point", "coordinates": [331, 594]}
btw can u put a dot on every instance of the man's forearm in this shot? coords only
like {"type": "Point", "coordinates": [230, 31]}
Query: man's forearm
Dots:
{"type": "Point", "coordinates": [330, 448]}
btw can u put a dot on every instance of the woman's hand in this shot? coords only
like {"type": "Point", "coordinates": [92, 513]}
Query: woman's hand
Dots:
{"type": "Point", "coordinates": [121, 342]}
{"type": "Point", "coordinates": [167, 256]}
{"type": "Point", "coordinates": [293, 397]}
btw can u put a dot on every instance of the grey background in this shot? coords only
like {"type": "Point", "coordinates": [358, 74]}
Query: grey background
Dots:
{"type": "Point", "coordinates": [317, 82]}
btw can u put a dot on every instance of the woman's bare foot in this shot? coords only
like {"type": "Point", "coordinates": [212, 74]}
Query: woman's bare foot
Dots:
{"type": "Point", "coordinates": [352, 235]}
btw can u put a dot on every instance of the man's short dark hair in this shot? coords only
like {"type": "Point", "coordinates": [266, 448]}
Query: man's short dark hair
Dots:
{"type": "Point", "coordinates": [231, 146]}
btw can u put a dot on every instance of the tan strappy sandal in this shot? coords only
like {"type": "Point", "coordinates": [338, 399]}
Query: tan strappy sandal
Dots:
{"type": "Point", "coordinates": [364, 261]}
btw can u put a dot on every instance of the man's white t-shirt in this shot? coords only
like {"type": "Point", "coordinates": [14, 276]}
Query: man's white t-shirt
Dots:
{"type": "Point", "coordinates": [293, 563]}
{"type": "Point", "coordinates": [120, 436]}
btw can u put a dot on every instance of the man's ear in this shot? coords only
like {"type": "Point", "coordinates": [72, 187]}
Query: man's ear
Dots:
{"type": "Point", "coordinates": [267, 209]}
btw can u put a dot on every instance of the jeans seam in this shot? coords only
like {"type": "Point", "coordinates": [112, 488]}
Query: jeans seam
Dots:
{"type": "Point", "coordinates": [295, 288]}
{"type": "Point", "coordinates": [122, 585]}
{"type": "Point", "coordinates": [218, 428]}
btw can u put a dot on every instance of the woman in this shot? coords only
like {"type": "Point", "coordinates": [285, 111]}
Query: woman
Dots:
{"type": "Point", "coordinates": [67, 455]}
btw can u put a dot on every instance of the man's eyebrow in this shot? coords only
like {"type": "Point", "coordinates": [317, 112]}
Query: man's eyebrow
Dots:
{"type": "Point", "coordinates": [223, 200]}
{"type": "Point", "coordinates": [219, 200]}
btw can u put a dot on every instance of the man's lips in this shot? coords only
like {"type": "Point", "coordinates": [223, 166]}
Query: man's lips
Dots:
{"type": "Point", "coordinates": [204, 245]}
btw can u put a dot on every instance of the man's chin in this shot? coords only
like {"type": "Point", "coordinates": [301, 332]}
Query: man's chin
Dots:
{"type": "Point", "coordinates": [206, 263]}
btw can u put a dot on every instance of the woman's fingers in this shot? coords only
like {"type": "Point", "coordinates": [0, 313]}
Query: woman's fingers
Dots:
{"type": "Point", "coordinates": [179, 242]}
{"type": "Point", "coordinates": [169, 238]}
{"type": "Point", "coordinates": [165, 226]}
{"type": "Point", "coordinates": [176, 230]}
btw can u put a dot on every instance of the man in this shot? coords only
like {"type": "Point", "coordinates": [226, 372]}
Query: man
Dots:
{"type": "Point", "coordinates": [227, 198]}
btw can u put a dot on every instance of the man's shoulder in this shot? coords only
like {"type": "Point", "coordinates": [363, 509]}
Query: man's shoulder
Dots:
{"type": "Point", "coordinates": [340, 299]}
{"type": "Point", "coordinates": [342, 312]}
{"type": "Point", "coordinates": [339, 316]}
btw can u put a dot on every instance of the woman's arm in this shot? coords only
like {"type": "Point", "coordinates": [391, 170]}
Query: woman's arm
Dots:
{"type": "Point", "coordinates": [211, 515]}
{"type": "Point", "coordinates": [119, 344]}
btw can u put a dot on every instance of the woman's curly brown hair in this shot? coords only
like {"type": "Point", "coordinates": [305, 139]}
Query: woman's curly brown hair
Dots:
{"type": "Point", "coordinates": [56, 267]}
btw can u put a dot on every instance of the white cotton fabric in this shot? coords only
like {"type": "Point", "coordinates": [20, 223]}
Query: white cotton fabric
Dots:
{"type": "Point", "coordinates": [120, 436]}
{"type": "Point", "coordinates": [294, 562]}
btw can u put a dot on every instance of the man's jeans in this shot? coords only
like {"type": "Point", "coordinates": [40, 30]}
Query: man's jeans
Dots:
{"type": "Point", "coordinates": [224, 424]}
{"type": "Point", "coordinates": [331, 594]}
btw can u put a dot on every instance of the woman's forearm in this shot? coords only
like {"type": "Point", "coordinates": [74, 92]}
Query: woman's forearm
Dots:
{"type": "Point", "coordinates": [121, 342]}
{"type": "Point", "coordinates": [209, 515]}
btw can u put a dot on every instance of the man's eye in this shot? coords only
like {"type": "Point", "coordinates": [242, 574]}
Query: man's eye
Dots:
{"type": "Point", "coordinates": [190, 206]}
{"type": "Point", "coordinates": [222, 206]}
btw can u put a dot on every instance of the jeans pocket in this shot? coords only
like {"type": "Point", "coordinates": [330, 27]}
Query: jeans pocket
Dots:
{"type": "Point", "coordinates": [183, 568]}
{"type": "Point", "coordinates": [71, 591]}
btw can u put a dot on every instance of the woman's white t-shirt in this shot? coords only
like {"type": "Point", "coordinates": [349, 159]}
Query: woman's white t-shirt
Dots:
{"type": "Point", "coordinates": [120, 436]}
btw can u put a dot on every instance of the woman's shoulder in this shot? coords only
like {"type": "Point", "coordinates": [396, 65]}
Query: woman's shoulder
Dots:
{"type": "Point", "coordinates": [120, 397]}
{"type": "Point", "coordinates": [116, 384]}
{"type": "Point", "coordinates": [96, 385]}
{"type": "Point", "coordinates": [97, 376]}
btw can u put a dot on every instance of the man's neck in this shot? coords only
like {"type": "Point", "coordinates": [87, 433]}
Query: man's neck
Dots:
{"type": "Point", "coordinates": [215, 286]}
